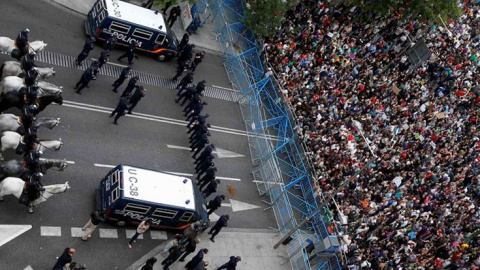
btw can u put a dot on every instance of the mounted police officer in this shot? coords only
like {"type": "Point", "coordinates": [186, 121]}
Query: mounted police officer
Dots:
{"type": "Point", "coordinates": [123, 76]}
{"type": "Point", "coordinates": [28, 61]}
{"type": "Point", "coordinates": [34, 188]}
{"type": "Point", "coordinates": [31, 77]}
{"type": "Point", "coordinates": [22, 43]}
{"type": "Point", "coordinates": [31, 161]}
{"type": "Point", "coordinates": [30, 139]}
{"type": "Point", "coordinates": [30, 95]}
{"type": "Point", "coordinates": [28, 115]}
{"type": "Point", "coordinates": [89, 45]}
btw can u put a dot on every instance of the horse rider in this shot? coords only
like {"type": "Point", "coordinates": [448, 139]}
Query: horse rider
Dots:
{"type": "Point", "coordinates": [31, 161]}
{"type": "Point", "coordinates": [89, 45]}
{"type": "Point", "coordinates": [31, 95]}
{"type": "Point", "coordinates": [126, 72]}
{"type": "Point", "coordinates": [110, 43]}
{"type": "Point", "coordinates": [31, 77]}
{"type": "Point", "coordinates": [28, 113]}
{"type": "Point", "coordinates": [34, 188]}
{"type": "Point", "coordinates": [22, 42]}
{"type": "Point", "coordinates": [30, 139]}
{"type": "Point", "coordinates": [28, 61]}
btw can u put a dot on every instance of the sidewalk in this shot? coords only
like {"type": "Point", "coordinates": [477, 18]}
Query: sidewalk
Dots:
{"type": "Point", "coordinates": [204, 39]}
{"type": "Point", "coordinates": [254, 246]}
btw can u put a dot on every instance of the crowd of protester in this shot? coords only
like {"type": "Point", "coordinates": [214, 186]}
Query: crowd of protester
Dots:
{"type": "Point", "coordinates": [396, 146]}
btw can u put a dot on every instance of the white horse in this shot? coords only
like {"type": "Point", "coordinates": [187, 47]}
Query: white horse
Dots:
{"type": "Point", "coordinates": [11, 122]}
{"type": "Point", "coordinates": [14, 186]}
{"type": "Point", "coordinates": [14, 84]}
{"type": "Point", "coordinates": [15, 141]}
{"type": "Point", "coordinates": [14, 68]}
{"type": "Point", "coordinates": [8, 45]}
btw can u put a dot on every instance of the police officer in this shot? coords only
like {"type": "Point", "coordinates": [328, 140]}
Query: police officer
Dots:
{"type": "Point", "coordinates": [209, 176]}
{"type": "Point", "coordinates": [206, 152]}
{"type": "Point", "coordinates": [204, 167]}
{"type": "Point", "coordinates": [123, 76]}
{"type": "Point", "coordinates": [28, 61]}
{"type": "Point", "coordinates": [130, 53]}
{"type": "Point", "coordinates": [130, 86]}
{"type": "Point", "coordinates": [196, 110]}
{"type": "Point", "coordinates": [186, 95]}
{"type": "Point", "coordinates": [87, 47]}
{"type": "Point", "coordinates": [31, 161]}
{"type": "Point", "coordinates": [199, 131]}
{"type": "Point", "coordinates": [31, 77]}
{"type": "Point", "coordinates": [34, 188]}
{"type": "Point", "coordinates": [182, 66]}
{"type": "Point", "coordinates": [197, 120]}
{"type": "Point", "coordinates": [231, 264]}
{"type": "Point", "coordinates": [222, 222]}
{"type": "Point", "coordinates": [186, 53]}
{"type": "Point", "coordinates": [30, 96]}
{"type": "Point", "coordinates": [175, 252]}
{"type": "Point", "coordinates": [200, 142]}
{"type": "Point", "coordinates": [87, 76]}
{"type": "Point", "coordinates": [199, 56]}
{"type": "Point", "coordinates": [214, 204]}
{"type": "Point", "coordinates": [27, 118]}
{"type": "Point", "coordinates": [194, 100]}
{"type": "Point", "coordinates": [103, 59]}
{"type": "Point", "coordinates": [201, 86]}
{"type": "Point", "coordinates": [174, 13]}
{"type": "Point", "coordinates": [22, 42]}
{"type": "Point", "coordinates": [120, 109]}
{"type": "Point", "coordinates": [204, 160]}
{"type": "Point", "coordinates": [30, 139]}
{"type": "Point", "coordinates": [189, 247]}
{"type": "Point", "coordinates": [136, 97]}
{"type": "Point", "coordinates": [110, 43]}
{"type": "Point", "coordinates": [183, 42]}
{"type": "Point", "coordinates": [184, 82]}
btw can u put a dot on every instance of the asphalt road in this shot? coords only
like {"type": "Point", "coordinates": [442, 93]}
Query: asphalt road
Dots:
{"type": "Point", "coordinates": [90, 138]}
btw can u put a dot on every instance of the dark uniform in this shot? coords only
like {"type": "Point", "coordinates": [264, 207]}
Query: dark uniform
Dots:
{"type": "Point", "coordinates": [184, 82]}
{"type": "Point", "coordinates": [186, 54]}
{"type": "Point", "coordinates": [196, 110]}
{"type": "Point", "coordinates": [22, 43]}
{"type": "Point", "coordinates": [175, 253]}
{"type": "Point", "coordinates": [103, 59]}
{"type": "Point", "coordinates": [167, 5]}
{"type": "Point", "coordinates": [199, 56]}
{"type": "Point", "coordinates": [123, 76]}
{"type": "Point", "coordinates": [196, 259]}
{"type": "Point", "coordinates": [214, 204]}
{"type": "Point", "coordinates": [204, 162]}
{"type": "Point", "coordinates": [198, 120]}
{"type": "Point", "coordinates": [182, 66]}
{"type": "Point", "coordinates": [200, 142]}
{"type": "Point", "coordinates": [130, 86]}
{"type": "Point", "coordinates": [30, 77]}
{"type": "Point", "coordinates": [186, 95]}
{"type": "Point", "coordinates": [231, 264]}
{"type": "Point", "coordinates": [120, 109]}
{"type": "Point", "coordinates": [110, 44]}
{"type": "Point", "coordinates": [87, 76]}
{"type": "Point", "coordinates": [30, 94]}
{"type": "Point", "coordinates": [203, 168]}
{"type": "Point", "coordinates": [183, 42]}
{"type": "Point", "coordinates": [174, 13]}
{"type": "Point", "coordinates": [206, 152]}
{"type": "Point", "coordinates": [34, 188]}
{"type": "Point", "coordinates": [130, 53]}
{"type": "Point", "coordinates": [28, 61]}
{"type": "Point", "coordinates": [209, 175]}
{"type": "Point", "coordinates": [189, 248]}
{"type": "Point", "coordinates": [87, 47]}
{"type": "Point", "coordinates": [199, 131]}
{"type": "Point", "coordinates": [32, 161]}
{"type": "Point", "coordinates": [30, 139]}
{"type": "Point", "coordinates": [194, 100]}
{"type": "Point", "coordinates": [136, 97]}
{"type": "Point", "coordinates": [211, 188]}
{"type": "Point", "coordinates": [222, 222]}
{"type": "Point", "coordinates": [28, 113]}
{"type": "Point", "coordinates": [201, 86]}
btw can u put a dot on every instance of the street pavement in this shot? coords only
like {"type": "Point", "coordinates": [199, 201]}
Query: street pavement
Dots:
{"type": "Point", "coordinates": [152, 138]}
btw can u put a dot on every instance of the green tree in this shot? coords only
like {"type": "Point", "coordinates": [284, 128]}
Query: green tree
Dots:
{"type": "Point", "coordinates": [428, 10]}
{"type": "Point", "coordinates": [264, 17]}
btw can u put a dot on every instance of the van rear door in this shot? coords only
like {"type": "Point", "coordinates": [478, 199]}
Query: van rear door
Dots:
{"type": "Point", "coordinates": [95, 17]}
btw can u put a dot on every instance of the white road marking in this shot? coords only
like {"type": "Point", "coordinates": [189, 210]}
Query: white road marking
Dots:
{"type": "Point", "coordinates": [28, 268]}
{"type": "Point", "coordinates": [271, 183]}
{"type": "Point", "coordinates": [110, 63]}
{"type": "Point", "coordinates": [10, 232]}
{"type": "Point", "coordinates": [221, 153]}
{"type": "Point", "coordinates": [155, 118]}
{"type": "Point", "coordinates": [214, 217]}
{"type": "Point", "coordinates": [50, 231]}
{"type": "Point", "coordinates": [177, 173]}
{"type": "Point", "coordinates": [108, 233]}
{"type": "Point", "coordinates": [242, 206]}
{"type": "Point", "coordinates": [224, 88]}
{"type": "Point", "coordinates": [130, 233]}
{"type": "Point", "coordinates": [158, 235]}
{"type": "Point", "coordinates": [68, 161]}
{"type": "Point", "coordinates": [77, 232]}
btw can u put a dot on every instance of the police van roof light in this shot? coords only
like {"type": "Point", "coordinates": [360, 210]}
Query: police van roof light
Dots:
{"type": "Point", "coordinates": [187, 201]}
{"type": "Point", "coordinates": [185, 180]}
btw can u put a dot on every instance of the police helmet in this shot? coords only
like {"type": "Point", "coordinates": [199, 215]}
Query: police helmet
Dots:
{"type": "Point", "coordinates": [36, 154]}
{"type": "Point", "coordinates": [37, 175]}
{"type": "Point", "coordinates": [26, 30]}
{"type": "Point", "coordinates": [32, 54]}
{"type": "Point", "coordinates": [33, 73]}
{"type": "Point", "coordinates": [213, 146]}
{"type": "Point", "coordinates": [32, 107]}
{"type": "Point", "coordinates": [203, 81]}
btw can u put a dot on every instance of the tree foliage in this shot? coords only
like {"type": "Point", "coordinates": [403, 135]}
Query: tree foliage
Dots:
{"type": "Point", "coordinates": [264, 17]}
{"type": "Point", "coordinates": [427, 10]}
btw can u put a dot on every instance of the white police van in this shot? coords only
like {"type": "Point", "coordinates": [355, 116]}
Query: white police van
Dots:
{"type": "Point", "coordinates": [130, 22]}
{"type": "Point", "coordinates": [128, 195]}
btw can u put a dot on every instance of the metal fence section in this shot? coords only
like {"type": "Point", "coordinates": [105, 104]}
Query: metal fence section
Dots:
{"type": "Point", "coordinates": [281, 173]}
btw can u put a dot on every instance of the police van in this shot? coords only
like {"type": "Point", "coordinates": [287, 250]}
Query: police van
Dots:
{"type": "Point", "coordinates": [129, 22]}
{"type": "Point", "coordinates": [128, 195]}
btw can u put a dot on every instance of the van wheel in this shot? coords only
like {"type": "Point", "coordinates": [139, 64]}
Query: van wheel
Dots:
{"type": "Point", "coordinates": [160, 58]}
{"type": "Point", "coordinates": [121, 223]}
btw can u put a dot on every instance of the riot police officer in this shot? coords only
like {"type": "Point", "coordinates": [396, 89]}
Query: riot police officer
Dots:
{"type": "Point", "coordinates": [31, 77]}
{"type": "Point", "coordinates": [130, 86]}
{"type": "Point", "coordinates": [110, 43]}
{"type": "Point", "coordinates": [87, 76]}
{"type": "Point", "coordinates": [22, 42]}
{"type": "Point", "coordinates": [120, 109]}
{"type": "Point", "coordinates": [123, 76]}
{"type": "Point", "coordinates": [28, 61]}
{"type": "Point", "coordinates": [31, 139]}
{"type": "Point", "coordinates": [89, 45]}
{"type": "Point", "coordinates": [31, 161]}
{"type": "Point", "coordinates": [139, 93]}
{"type": "Point", "coordinates": [30, 95]}
{"type": "Point", "coordinates": [199, 56]}
{"type": "Point", "coordinates": [103, 59]}
{"type": "Point", "coordinates": [184, 82]}
{"type": "Point", "coordinates": [130, 53]}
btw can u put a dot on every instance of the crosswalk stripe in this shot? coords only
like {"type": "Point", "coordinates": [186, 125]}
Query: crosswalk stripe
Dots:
{"type": "Point", "coordinates": [50, 231]}
{"type": "Point", "coordinates": [108, 233]}
{"type": "Point", "coordinates": [130, 233]}
{"type": "Point", "coordinates": [114, 70]}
